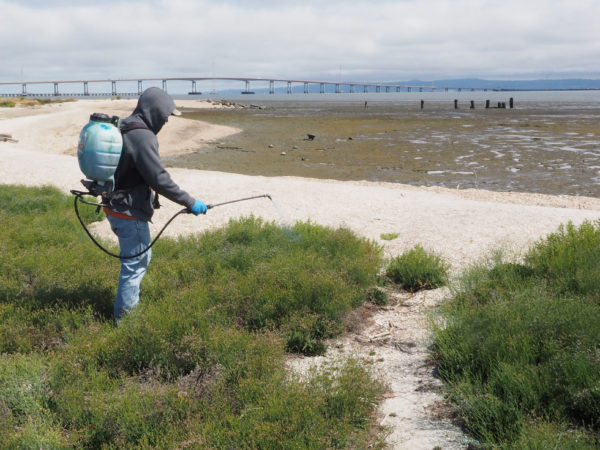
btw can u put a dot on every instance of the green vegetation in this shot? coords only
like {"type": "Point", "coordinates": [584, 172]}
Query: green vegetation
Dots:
{"type": "Point", "coordinates": [201, 362]}
{"type": "Point", "coordinates": [389, 236]}
{"type": "Point", "coordinates": [24, 101]}
{"type": "Point", "coordinates": [519, 345]}
{"type": "Point", "coordinates": [418, 269]}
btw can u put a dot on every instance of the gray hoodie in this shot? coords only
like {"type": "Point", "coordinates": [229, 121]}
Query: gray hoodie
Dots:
{"type": "Point", "coordinates": [140, 170]}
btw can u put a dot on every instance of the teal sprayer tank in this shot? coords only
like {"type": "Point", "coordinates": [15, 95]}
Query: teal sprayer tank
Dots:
{"type": "Point", "coordinates": [99, 150]}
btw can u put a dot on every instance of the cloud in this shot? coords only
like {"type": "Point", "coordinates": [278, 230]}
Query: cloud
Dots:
{"type": "Point", "coordinates": [360, 40]}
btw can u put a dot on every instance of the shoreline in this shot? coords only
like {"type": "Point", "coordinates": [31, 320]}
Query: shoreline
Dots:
{"type": "Point", "coordinates": [460, 224]}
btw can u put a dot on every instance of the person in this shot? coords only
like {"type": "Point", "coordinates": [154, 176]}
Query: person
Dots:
{"type": "Point", "coordinates": [139, 178]}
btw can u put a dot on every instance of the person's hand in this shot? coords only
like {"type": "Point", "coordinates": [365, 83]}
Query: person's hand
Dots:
{"type": "Point", "coordinates": [199, 208]}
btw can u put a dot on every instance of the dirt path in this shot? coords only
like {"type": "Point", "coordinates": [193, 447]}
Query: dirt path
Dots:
{"type": "Point", "coordinates": [395, 340]}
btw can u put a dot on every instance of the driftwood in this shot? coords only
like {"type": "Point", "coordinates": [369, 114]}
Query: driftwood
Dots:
{"type": "Point", "coordinates": [7, 138]}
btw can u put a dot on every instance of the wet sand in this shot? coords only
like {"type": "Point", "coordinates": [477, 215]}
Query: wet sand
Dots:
{"type": "Point", "coordinates": [529, 149]}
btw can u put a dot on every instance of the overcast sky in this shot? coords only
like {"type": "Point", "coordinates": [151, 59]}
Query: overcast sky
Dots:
{"type": "Point", "coordinates": [335, 40]}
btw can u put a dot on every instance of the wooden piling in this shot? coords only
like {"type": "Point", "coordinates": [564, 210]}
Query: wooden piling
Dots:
{"type": "Point", "coordinates": [422, 103]}
{"type": "Point", "coordinates": [511, 103]}
{"type": "Point", "coordinates": [455, 104]}
{"type": "Point", "coordinates": [472, 104]}
{"type": "Point", "coordinates": [487, 104]}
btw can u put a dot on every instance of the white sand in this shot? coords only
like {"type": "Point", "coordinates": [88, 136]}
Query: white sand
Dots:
{"type": "Point", "coordinates": [461, 225]}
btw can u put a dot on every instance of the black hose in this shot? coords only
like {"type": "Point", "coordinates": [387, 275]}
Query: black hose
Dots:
{"type": "Point", "coordinates": [78, 198]}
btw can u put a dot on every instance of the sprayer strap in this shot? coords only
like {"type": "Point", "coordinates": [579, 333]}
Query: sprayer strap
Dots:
{"type": "Point", "coordinates": [110, 212]}
{"type": "Point", "coordinates": [125, 127]}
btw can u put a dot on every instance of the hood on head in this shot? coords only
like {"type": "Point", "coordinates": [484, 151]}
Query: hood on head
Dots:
{"type": "Point", "coordinates": [154, 106]}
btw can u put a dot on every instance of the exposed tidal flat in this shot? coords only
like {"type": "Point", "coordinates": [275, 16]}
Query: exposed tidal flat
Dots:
{"type": "Point", "coordinates": [548, 147]}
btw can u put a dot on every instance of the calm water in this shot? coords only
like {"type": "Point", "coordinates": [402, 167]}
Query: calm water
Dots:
{"type": "Point", "coordinates": [549, 143]}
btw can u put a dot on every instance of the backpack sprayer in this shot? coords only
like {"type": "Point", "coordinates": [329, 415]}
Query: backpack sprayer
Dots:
{"type": "Point", "coordinates": [98, 152]}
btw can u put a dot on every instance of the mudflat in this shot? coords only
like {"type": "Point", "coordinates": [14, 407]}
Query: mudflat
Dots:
{"type": "Point", "coordinates": [533, 148]}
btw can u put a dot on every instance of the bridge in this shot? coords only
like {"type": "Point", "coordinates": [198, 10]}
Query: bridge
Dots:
{"type": "Point", "coordinates": [335, 86]}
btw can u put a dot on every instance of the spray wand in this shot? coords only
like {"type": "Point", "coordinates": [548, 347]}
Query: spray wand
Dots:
{"type": "Point", "coordinates": [239, 200]}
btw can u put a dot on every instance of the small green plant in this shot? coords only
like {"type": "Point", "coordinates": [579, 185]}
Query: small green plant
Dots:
{"type": "Point", "coordinates": [418, 269]}
{"type": "Point", "coordinates": [569, 259]}
{"type": "Point", "coordinates": [377, 296]}
{"type": "Point", "coordinates": [389, 236]}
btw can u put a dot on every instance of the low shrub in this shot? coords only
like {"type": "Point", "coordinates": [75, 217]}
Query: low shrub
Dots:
{"type": "Point", "coordinates": [518, 345]}
{"type": "Point", "coordinates": [200, 362]}
{"type": "Point", "coordinates": [418, 269]}
{"type": "Point", "coordinates": [569, 259]}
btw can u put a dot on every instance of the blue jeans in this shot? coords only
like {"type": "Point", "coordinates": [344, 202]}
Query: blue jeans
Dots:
{"type": "Point", "coordinates": [134, 236]}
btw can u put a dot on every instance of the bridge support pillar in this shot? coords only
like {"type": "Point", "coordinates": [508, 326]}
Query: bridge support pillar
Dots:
{"type": "Point", "coordinates": [140, 90]}
{"type": "Point", "coordinates": [305, 87]}
{"type": "Point", "coordinates": [322, 88]}
{"type": "Point", "coordinates": [409, 89]}
{"type": "Point", "coordinates": [24, 91]}
{"type": "Point", "coordinates": [397, 88]}
{"type": "Point", "coordinates": [164, 84]}
{"type": "Point", "coordinates": [271, 86]}
{"type": "Point", "coordinates": [289, 87]}
{"type": "Point", "coordinates": [56, 89]}
{"type": "Point", "coordinates": [114, 87]}
{"type": "Point", "coordinates": [86, 92]}
{"type": "Point", "coordinates": [337, 88]}
{"type": "Point", "coordinates": [377, 89]}
{"type": "Point", "coordinates": [352, 89]}
{"type": "Point", "coordinates": [193, 87]}
{"type": "Point", "coordinates": [365, 88]}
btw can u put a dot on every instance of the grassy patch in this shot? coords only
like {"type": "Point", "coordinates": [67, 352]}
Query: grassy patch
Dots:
{"type": "Point", "coordinates": [201, 360]}
{"type": "Point", "coordinates": [389, 236]}
{"type": "Point", "coordinates": [24, 101]}
{"type": "Point", "coordinates": [518, 345]}
{"type": "Point", "coordinates": [418, 269]}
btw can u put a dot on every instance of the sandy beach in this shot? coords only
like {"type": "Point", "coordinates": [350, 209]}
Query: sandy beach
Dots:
{"type": "Point", "coordinates": [462, 226]}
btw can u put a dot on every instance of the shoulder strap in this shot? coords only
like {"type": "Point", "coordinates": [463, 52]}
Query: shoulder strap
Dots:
{"type": "Point", "coordinates": [125, 127]}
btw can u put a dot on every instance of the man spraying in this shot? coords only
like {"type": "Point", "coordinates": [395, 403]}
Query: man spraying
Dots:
{"type": "Point", "coordinates": [139, 177]}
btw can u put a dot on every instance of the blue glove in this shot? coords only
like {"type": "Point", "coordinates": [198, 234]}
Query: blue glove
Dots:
{"type": "Point", "coordinates": [199, 208]}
